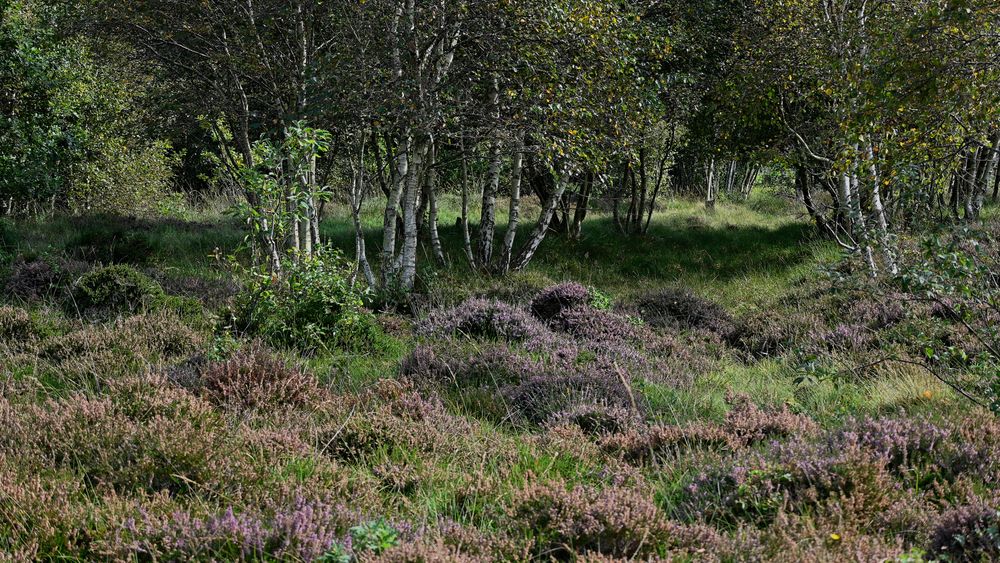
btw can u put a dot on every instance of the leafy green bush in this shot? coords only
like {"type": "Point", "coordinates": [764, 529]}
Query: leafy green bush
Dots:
{"type": "Point", "coordinates": [311, 305]}
{"type": "Point", "coordinates": [123, 290]}
{"type": "Point", "coordinates": [115, 290]}
{"type": "Point", "coordinates": [375, 536]}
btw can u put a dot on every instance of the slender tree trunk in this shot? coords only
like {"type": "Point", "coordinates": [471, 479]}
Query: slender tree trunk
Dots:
{"type": "Point", "coordinates": [803, 182]}
{"type": "Point", "coordinates": [515, 208]}
{"type": "Point", "coordinates": [487, 221]}
{"type": "Point", "coordinates": [400, 175]}
{"type": "Point", "coordinates": [844, 203]}
{"type": "Point", "coordinates": [996, 179]}
{"type": "Point", "coordinates": [973, 183]}
{"type": "Point", "coordinates": [408, 256]}
{"type": "Point", "coordinates": [431, 196]}
{"type": "Point", "coordinates": [583, 203]}
{"type": "Point", "coordinates": [989, 169]}
{"type": "Point", "coordinates": [640, 208]}
{"type": "Point", "coordinates": [357, 201]}
{"type": "Point", "coordinates": [661, 172]}
{"type": "Point", "coordinates": [710, 192]}
{"type": "Point", "coordinates": [466, 236]}
{"type": "Point", "coordinates": [538, 233]}
{"type": "Point", "coordinates": [858, 219]}
{"type": "Point", "coordinates": [619, 192]}
{"type": "Point", "coordinates": [749, 180]}
{"type": "Point", "coordinates": [881, 222]}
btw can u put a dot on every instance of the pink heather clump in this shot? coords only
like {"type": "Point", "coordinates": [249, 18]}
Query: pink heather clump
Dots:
{"type": "Point", "coordinates": [614, 521]}
{"type": "Point", "coordinates": [304, 531]}
{"type": "Point", "coordinates": [919, 447]}
{"type": "Point", "coordinates": [596, 419]}
{"type": "Point", "coordinates": [551, 301]}
{"type": "Point", "coordinates": [968, 533]}
{"type": "Point", "coordinates": [538, 398]}
{"type": "Point", "coordinates": [481, 318]}
{"type": "Point", "coordinates": [488, 366]}
{"type": "Point", "coordinates": [846, 337]}
{"type": "Point", "coordinates": [256, 378]}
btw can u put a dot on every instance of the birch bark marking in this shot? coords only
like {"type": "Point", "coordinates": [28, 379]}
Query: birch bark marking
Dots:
{"type": "Point", "coordinates": [514, 216]}
{"type": "Point", "coordinates": [408, 256]}
{"type": "Point", "coordinates": [487, 223]}
{"type": "Point", "coordinates": [538, 234]}
{"type": "Point", "coordinates": [357, 200]}
{"type": "Point", "coordinates": [432, 219]}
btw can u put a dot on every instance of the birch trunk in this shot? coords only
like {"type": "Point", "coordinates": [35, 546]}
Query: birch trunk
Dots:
{"type": "Point", "coordinates": [487, 221]}
{"type": "Point", "coordinates": [710, 192]}
{"type": "Point", "coordinates": [431, 196]}
{"type": "Point", "coordinates": [844, 203]}
{"type": "Point", "coordinates": [408, 256]}
{"type": "Point", "coordinates": [542, 227]}
{"type": "Point", "coordinates": [400, 175]}
{"type": "Point", "coordinates": [881, 222]}
{"type": "Point", "coordinates": [514, 216]}
{"type": "Point", "coordinates": [357, 201]}
{"type": "Point", "coordinates": [466, 236]}
{"type": "Point", "coordinates": [858, 218]}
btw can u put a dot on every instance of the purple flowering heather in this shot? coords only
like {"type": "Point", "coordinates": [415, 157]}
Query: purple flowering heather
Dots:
{"type": "Point", "coordinates": [489, 366]}
{"type": "Point", "coordinates": [551, 301]}
{"type": "Point", "coordinates": [680, 309]}
{"type": "Point", "coordinates": [303, 531]}
{"type": "Point", "coordinates": [912, 447]}
{"type": "Point", "coordinates": [491, 320]}
{"type": "Point", "coordinates": [846, 337]}
{"type": "Point", "coordinates": [968, 533]}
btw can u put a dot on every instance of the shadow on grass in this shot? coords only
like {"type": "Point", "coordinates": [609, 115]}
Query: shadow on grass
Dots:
{"type": "Point", "coordinates": [694, 248]}
{"type": "Point", "coordinates": [163, 242]}
{"type": "Point", "coordinates": [677, 248]}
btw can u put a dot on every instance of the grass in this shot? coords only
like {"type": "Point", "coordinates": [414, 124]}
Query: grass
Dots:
{"type": "Point", "coordinates": [736, 255]}
{"type": "Point", "coordinates": [422, 456]}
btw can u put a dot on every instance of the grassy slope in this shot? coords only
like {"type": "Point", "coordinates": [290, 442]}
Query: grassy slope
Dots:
{"type": "Point", "coordinates": [746, 257]}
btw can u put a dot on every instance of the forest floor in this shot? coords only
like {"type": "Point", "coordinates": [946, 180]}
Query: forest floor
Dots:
{"type": "Point", "coordinates": [726, 387]}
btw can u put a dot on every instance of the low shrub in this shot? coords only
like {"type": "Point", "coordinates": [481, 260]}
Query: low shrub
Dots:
{"type": "Point", "coordinates": [392, 414]}
{"type": "Point", "coordinates": [918, 451]}
{"type": "Point", "coordinates": [677, 308]}
{"type": "Point", "coordinates": [20, 328]}
{"type": "Point", "coordinates": [877, 312]}
{"type": "Point", "coordinates": [796, 477]}
{"type": "Point", "coordinates": [101, 352]}
{"type": "Point", "coordinates": [31, 279]}
{"type": "Point", "coordinates": [566, 521]}
{"type": "Point", "coordinates": [117, 445]}
{"type": "Point", "coordinates": [114, 240]}
{"type": "Point", "coordinates": [214, 293]}
{"type": "Point", "coordinates": [255, 378]}
{"type": "Point", "coordinates": [771, 333]}
{"type": "Point", "coordinates": [967, 533]}
{"type": "Point", "coordinates": [746, 423]}
{"type": "Point", "coordinates": [846, 338]}
{"type": "Point", "coordinates": [311, 305]}
{"type": "Point", "coordinates": [489, 320]}
{"type": "Point", "coordinates": [539, 398]}
{"type": "Point", "coordinates": [116, 290]}
{"type": "Point", "coordinates": [454, 366]}
{"type": "Point", "coordinates": [303, 531]}
{"type": "Point", "coordinates": [596, 419]}
{"type": "Point", "coordinates": [552, 300]}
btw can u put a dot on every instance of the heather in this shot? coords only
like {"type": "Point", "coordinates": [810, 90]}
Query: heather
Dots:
{"type": "Point", "coordinates": [549, 420]}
